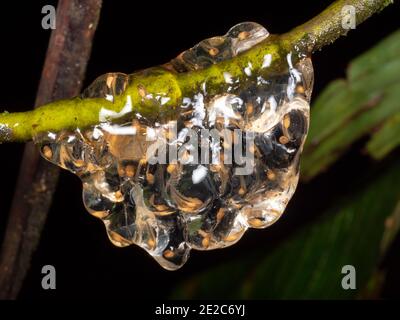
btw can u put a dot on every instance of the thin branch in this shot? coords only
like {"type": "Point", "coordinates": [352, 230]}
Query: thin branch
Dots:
{"type": "Point", "coordinates": [327, 27]}
{"type": "Point", "coordinates": [70, 114]}
{"type": "Point", "coordinates": [63, 72]}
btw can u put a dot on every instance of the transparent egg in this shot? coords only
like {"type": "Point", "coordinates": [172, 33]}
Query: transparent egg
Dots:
{"type": "Point", "coordinates": [229, 161]}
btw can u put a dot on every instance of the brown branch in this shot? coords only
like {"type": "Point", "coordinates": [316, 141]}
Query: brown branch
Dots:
{"type": "Point", "coordinates": [64, 69]}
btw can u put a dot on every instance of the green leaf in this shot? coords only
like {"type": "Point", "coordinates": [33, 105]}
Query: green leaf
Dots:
{"type": "Point", "coordinates": [386, 139]}
{"type": "Point", "coordinates": [392, 225]}
{"type": "Point", "coordinates": [387, 50]}
{"type": "Point", "coordinates": [331, 148]}
{"type": "Point", "coordinates": [308, 264]}
{"type": "Point", "coordinates": [349, 109]}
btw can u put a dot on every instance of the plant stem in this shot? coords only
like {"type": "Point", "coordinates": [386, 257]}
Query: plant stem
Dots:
{"type": "Point", "coordinates": [70, 114]}
{"type": "Point", "coordinates": [64, 69]}
{"type": "Point", "coordinates": [326, 27]}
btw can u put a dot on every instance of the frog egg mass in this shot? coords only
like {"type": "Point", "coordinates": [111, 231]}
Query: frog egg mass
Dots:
{"type": "Point", "coordinates": [226, 161]}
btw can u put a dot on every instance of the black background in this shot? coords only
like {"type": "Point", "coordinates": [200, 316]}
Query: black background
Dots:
{"type": "Point", "coordinates": [133, 35]}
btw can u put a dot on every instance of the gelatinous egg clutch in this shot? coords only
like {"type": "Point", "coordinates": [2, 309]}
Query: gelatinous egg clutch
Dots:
{"type": "Point", "coordinates": [228, 162]}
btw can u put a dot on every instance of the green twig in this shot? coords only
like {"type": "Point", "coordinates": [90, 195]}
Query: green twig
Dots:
{"type": "Point", "coordinates": [69, 114]}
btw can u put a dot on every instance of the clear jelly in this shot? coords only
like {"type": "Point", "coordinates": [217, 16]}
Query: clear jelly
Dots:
{"type": "Point", "coordinates": [235, 161]}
